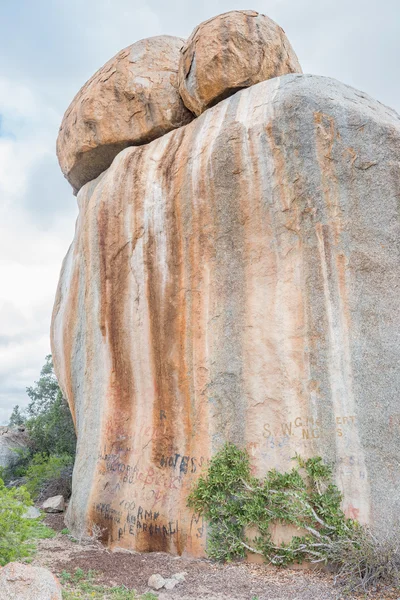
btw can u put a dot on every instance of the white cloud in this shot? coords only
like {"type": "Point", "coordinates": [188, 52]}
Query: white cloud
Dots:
{"type": "Point", "coordinates": [34, 235]}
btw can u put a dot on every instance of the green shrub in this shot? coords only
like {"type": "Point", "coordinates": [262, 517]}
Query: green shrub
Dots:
{"type": "Point", "coordinates": [47, 417]}
{"type": "Point", "coordinates": [49, 475]}
{"type": "Point", "coordinates": [17, 534]}
{"type": "Point", "coordinates": [233, 501]}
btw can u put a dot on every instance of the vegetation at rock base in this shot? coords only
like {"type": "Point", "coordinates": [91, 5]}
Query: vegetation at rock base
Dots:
{"type": "Point", "coordinates": [49, 475]}
{"type": "Point", "coordinates": [235, 503]}
{"type": "Point", "coordinates": [366, 562]}
{"type": "Point", "coordinates": [81, 586]}
{"type": "Point", "coordinates": [47, 417]}
{"type": "Point", "coordinates": [18, 534]}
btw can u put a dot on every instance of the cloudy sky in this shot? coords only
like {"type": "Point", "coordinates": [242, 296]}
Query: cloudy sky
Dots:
{"type": "Point", "coordinates": [48, 49]}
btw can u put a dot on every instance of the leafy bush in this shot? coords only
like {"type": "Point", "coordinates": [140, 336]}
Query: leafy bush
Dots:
{"type": "Point", "coordinates": [17, 534]}
{"type": "Point", "coordinates": [233, 501]}
{"type": "Point", "coordinates": [49, 475]}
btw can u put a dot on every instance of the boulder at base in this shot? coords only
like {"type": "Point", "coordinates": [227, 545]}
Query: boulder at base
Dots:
{"type": "Point", "coordinates": [131, 100]}
{"type": "Point", "coordinates": [55, 504]}
{"type": "Point", "coordinates": [236, 279]}
{"type": "Point", "coordinates": [230, 52]}
{"type": "Point", "coordinates": [12, 443]}
{"type": "Point", "coordinates": [24, 582]}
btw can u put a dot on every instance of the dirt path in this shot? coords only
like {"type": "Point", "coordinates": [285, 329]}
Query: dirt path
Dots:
{"type": "Point", "coordinates": [204, 579]}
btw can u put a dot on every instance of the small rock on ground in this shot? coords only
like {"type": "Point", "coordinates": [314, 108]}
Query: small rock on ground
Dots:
{"type": "Point", "coordinates": [54, 505]}
{"type": "Point", "coordinates": [170, 583]}
{"type": "Point", "coordinates": [180, 576]}
{"type": "Point", "coordinates": [156, 582]}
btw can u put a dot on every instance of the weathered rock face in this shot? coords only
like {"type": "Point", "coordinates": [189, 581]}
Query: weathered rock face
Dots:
{"type": "Point", "coordinates": [236, 280]}
{"type": "Point", "coordinates": [11, 442]}
{"type": "Point", "coordinates": [230, 52]}
{"type": "Point", "coordinates": [24, 582]}
{"type": "Point", "coordinates": [132, 100]}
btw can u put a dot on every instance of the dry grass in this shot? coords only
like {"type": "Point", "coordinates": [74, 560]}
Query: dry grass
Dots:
{"type": "Point", "coordinates": [365, 562]}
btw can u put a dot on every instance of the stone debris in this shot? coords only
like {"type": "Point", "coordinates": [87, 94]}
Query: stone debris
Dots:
{"type": "Point", "coordinates": [55, 504]}
{"type": "Point", "coordinates": [170, 583]}
{"type": "Point", "coordinates": [156, 582]}
{"type": "Point", "coordinates": [180, 576]}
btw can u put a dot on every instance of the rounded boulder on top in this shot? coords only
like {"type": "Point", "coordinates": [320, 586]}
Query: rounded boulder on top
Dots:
{"type": "Point", "coordinates": [230, 52]}
{"type": "Point", "coordinates": [131, 100]}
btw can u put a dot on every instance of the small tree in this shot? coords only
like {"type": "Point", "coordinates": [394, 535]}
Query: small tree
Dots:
{"type": "Point", "coordinates": [17, 418]}
{"type": "Point", "coordinates": [44, 392]}
{"type": "Point", "coordinates": [234, 502]}
{"type": "Point", "coordinates": [49, 419]}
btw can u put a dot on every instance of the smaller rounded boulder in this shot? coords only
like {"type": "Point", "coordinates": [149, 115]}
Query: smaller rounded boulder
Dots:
{"type": "Point", "coordinates": [133, 99]}
{"type": "Point", "coordinates": [24, 582]}
{"type": "Point", "coordinates": [232, 51]}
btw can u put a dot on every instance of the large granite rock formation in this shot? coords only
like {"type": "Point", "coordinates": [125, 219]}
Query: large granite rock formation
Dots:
{"type": "Point", "coordinates": [230, 52]}
{"type": "Point", "coordinates": [131, 100]}
{"type": "Point", "coordinates": [236, 279]}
